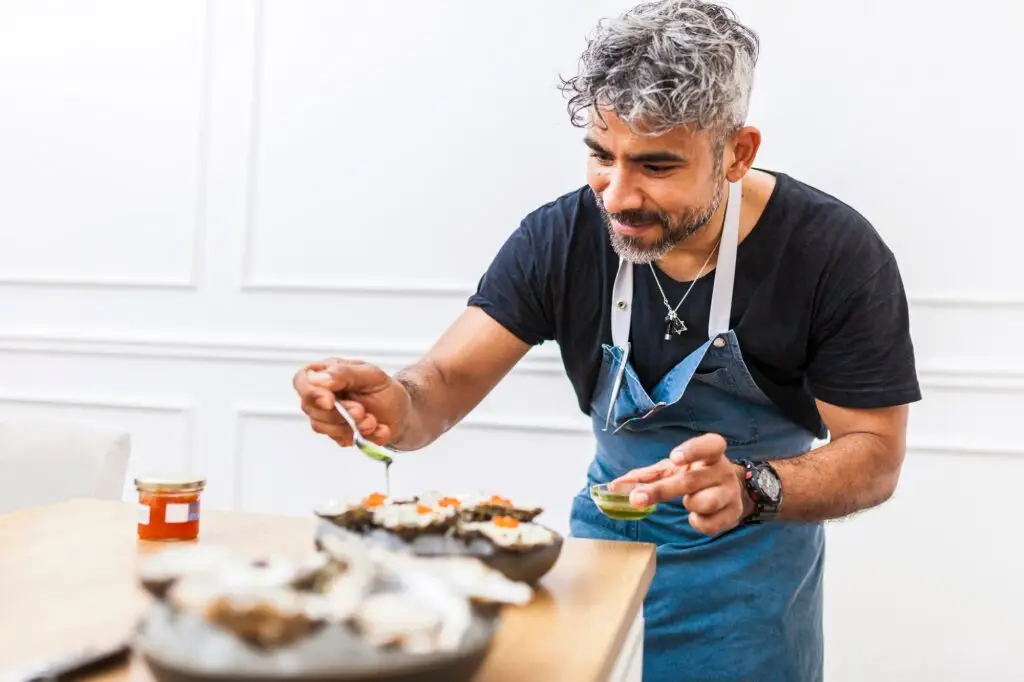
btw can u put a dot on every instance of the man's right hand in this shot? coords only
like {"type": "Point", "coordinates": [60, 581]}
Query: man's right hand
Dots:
{"type": "Point", "coordinates": [377, 402]}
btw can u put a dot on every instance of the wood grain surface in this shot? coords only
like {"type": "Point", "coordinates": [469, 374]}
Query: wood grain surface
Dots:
{"type": "Point", "coordinates": [67, 580]}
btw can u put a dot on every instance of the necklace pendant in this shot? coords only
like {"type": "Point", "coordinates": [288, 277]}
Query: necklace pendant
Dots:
{"type": "Point", "coordinates": [675, 325]}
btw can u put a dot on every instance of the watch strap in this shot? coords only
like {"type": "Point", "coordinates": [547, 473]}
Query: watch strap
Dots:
{"type": "Point", "coordinates": [765, 509]}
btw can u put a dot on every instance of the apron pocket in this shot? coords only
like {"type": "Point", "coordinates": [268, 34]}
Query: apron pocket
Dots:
{"type": "Point", "coordinates": [714, 402]}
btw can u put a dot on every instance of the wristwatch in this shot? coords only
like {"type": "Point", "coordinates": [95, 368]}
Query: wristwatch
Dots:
{"type": "Point", "coordinates": [764, 487]}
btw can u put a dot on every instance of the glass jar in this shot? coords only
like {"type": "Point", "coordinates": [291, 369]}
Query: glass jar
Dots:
{"type": "Point", "coordinates": [169, 506]}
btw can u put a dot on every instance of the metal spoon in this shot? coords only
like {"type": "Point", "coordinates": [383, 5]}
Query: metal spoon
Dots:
{"type": "Point", "coordinates": [368, 447]}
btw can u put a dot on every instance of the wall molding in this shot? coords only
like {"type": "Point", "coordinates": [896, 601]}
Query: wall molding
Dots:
{"type": "Point", "coordinates": [180, 347]}
{"type": "Point", "coordinates": [189, 281]}
{"type": "Point", "coordinates": [950, 301]}
{"type": "Point", "coordinates": [544, 360]}
{"type": "Point", "coordinates": [581, 427]}
{"type": "Point", "coordinates": [456, 290]}
{"type": "Point", "coordinates": [182, 409]}
{"type": "Point", "coordinates": [474, 421]}
{"type": "Point", "coordinates": [101, 281]}
{"type": "Point", "coordinates": [407, 289]}
{"type": "Point", "coordinates": [561, 427]}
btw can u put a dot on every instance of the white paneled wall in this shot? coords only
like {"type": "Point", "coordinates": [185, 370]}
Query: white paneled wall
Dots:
{"type": "Point", "coordinates": [197, 198]}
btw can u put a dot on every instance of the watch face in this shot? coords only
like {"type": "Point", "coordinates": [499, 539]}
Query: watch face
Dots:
{"type": "Point", "coordinates": [768, 484]}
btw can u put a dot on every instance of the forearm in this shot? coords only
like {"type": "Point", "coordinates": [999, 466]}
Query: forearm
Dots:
{"type": "Point", "coordinates": [434, 406]}
{"type": "Point", "coordinates": [465, 364]}
{"type": "Point", "coordinates": [854, 472]}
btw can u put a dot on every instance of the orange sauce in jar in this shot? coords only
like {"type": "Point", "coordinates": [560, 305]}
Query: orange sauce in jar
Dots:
{"type": "Point", "coordinates": [169, 507]}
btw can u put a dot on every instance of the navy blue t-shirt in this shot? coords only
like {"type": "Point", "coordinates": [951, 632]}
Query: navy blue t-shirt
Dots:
{"type": "Point", "coordinates": [819, 307]}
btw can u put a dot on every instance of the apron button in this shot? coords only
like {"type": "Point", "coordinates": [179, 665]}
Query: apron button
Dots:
{"type": "Point", "coordinates": [719, 342]}
{"type": "Point", "coordinates": [621, 305]}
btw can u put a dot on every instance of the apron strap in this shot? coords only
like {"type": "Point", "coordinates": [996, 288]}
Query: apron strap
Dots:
{"type": "Point", "coordinates": [725, 271]}
{"type": "Point", "coordinates": [721, 296]}
{"type": "Point", "coordinates": [622, 303]}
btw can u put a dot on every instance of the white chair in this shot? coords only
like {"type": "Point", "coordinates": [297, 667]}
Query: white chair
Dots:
{"type": "Point", "coordinates": [43, 462]}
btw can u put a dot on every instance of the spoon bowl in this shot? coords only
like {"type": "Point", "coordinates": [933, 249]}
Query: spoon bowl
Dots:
{"type": "Point", "coordinates": [366, 446]}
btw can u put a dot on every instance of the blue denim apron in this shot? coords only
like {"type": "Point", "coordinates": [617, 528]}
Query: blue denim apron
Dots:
{"type": "Point", "coordinates": [743, 605]}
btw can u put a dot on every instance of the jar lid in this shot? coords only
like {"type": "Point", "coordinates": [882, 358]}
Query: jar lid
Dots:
{"type": "Point", "coordinates": [170, 482]}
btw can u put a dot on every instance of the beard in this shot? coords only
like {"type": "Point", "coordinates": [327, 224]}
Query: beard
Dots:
{"type": "Point", "coordinates": [674, 228]}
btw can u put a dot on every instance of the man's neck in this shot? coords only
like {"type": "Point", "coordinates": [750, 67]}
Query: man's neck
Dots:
{"type": "Point", "coordinates": [683, 262]}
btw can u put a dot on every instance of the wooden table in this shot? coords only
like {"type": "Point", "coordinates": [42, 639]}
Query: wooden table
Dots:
{"type": "Point", "coordinates": [67, 580]}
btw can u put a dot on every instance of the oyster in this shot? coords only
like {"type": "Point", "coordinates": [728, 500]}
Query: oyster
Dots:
{"type": "Point", "coordinates": [266, 617]}
{"type": "Point", "coordinates": [159, 571]}
{"type": "Point", "coordinates": [356, 517]}
{"type": "Point", "coordinates": [409, 520]}
{"type": "Point", "coordinates": [469, 577]}
{"type": "Point", "coordinates": [508, 532]}
{"type": "Point", "coordinates": [388, 619]}
{"type": "Point", "coordinates": [485, 508]}
{"type": "Point", "coordinates": [422, 615]}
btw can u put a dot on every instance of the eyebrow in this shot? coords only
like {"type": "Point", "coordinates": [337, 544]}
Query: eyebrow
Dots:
{"type": "Point", "coordinates": [645, 157]}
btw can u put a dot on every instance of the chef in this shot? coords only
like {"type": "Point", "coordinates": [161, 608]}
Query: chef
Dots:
{"type": "Point", "coordinates": [714, 318]}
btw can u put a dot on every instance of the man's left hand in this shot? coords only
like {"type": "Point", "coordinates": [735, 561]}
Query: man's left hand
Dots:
{"type": "Point", "coordinates": [711, 486]}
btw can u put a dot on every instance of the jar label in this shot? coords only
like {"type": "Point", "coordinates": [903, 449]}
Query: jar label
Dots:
{"type": "Point", "coordinates": [143, 514]}
{"type": "Point", "coordinates": [176, 513]}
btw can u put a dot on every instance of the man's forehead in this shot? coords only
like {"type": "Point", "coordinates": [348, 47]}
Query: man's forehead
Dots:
{"type": "Point", "coordinates": [609, 131]}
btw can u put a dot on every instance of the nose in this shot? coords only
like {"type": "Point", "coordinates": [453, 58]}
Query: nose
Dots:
{"type": "Point", "coordinates": [618, 193]}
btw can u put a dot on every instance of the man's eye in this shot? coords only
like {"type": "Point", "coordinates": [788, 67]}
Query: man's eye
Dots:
{"type": "Point", "coordinates": [659, 169]}
{"type": "Point", "coordinates": [601, 158]}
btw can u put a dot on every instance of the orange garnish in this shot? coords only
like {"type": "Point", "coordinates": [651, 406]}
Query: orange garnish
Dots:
{"type": "Point", "coordinates": [421, 509]}
{"type": "Point", "coordinates": [506, 521]}
{"type": "Point", "coordinates": [448, 502]}
{"type": "Point", "coordinates": [374, 500]}
{"type": "Point", "coordinates": [499, 501]}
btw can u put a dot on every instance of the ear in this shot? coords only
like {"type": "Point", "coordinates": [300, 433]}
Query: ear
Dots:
{"type": "Point", "coordinates": [741, 150]}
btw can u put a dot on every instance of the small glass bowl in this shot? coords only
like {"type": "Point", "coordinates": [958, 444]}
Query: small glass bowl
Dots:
{"type": "Point", "coordinates": [616, 504]}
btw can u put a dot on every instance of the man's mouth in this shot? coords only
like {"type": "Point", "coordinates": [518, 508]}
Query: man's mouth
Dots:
{"type": "Point", "coordinates": [632, 229]}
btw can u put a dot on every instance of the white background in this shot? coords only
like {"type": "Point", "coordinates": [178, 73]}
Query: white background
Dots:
{"type": "Point", "coordinates": [196, 198]}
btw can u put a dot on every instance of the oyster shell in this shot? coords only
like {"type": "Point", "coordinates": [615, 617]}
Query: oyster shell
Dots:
{"type": "Point", "coordinates": [157, 572]}
{"type": "Point", "coordinates": [508, 533]}
{"type": "Point", "coordinates": [409, 520]}
{"type": "Point", "coordinates": [486, 507]}
{"type": "Point", "coordinates": [264, 616]}
{"type": "Point", "coordinates": [356, 517]}
{"type": "Point", "coordinates": [467, 576]}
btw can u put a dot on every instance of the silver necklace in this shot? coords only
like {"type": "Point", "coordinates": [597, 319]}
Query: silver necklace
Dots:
{"type": "Point", "coordinates": [674, 323]}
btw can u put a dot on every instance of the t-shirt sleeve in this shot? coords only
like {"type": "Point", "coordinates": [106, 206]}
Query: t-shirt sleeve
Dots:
{"type": "Point", "coordinates": [862, 353]}
{"type": "Point", "coordinates": [517, 288]}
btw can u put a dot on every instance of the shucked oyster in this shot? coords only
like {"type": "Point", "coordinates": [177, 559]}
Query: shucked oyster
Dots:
{"type": "Point", "coordinates": [355, 517]}
{"type": "Point", "coordinates": [390, 619]}
{"type": "Point", "coordinates": [485, 508]}
{"type": "Point", "coordinates": [467, 576]}
{"type": "Point", "coordinates": [275, 601]}
{"type": "Point", "coordinates": [423, 615]}
{"type": "Point", "coordinates": [411, 519]}
{"type": "Point", "coordinates": [266, 617]}
{"type": "Point", "coordinates": [159, 571]}
{"type": "Point", "coordinates": [507, 532]}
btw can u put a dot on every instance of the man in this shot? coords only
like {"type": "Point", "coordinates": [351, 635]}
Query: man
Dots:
{"type": "Point", "coordinates": [714, 320]}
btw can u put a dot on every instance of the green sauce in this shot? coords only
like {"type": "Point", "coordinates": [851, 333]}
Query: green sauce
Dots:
{"type": "Point", "coordinates": [618, 506]}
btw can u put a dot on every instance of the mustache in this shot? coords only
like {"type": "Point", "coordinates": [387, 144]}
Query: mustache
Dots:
{"type": "Point", "coordinates": [637, 218]}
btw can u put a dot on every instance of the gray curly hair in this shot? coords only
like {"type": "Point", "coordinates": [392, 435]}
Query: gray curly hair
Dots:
{"type": "Point", "coordinates": [667, 64]}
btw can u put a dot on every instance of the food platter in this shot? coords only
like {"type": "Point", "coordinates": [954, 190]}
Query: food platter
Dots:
{"type": "Point", "coordinates": [501, 533]}
{"type": "Point", "coordinates": [352, 611]}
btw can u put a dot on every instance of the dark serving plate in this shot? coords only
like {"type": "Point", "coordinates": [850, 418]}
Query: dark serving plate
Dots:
{"type": "Point", "coordinates": [182, 647]}
{"type": "Point", "coordinates": [527, 566]}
